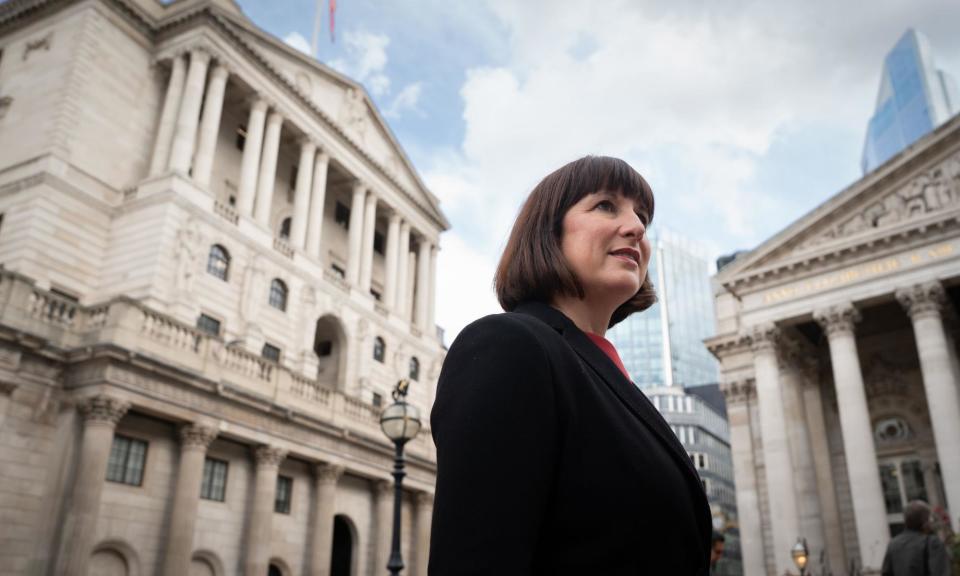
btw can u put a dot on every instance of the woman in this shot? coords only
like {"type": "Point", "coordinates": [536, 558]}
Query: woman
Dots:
{"type": "Point", "coordinates": [549, 460]}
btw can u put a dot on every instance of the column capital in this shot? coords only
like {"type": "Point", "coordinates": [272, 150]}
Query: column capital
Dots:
{"type": "Point", "coordinates": [322, 155]}
{"type": "Point", "coordinates": [839, 319]}
{"type": "Point", "coordinates": [763, 338]}
{"type": "Point", "coordinates": [328, 473]}
{"type": "Point", "coordinates": [394, 217]}
{"type": "Point", "coordinates": [382, 488]}
{"type": "Point", "coordinates": [196, 436]}
{"type": "Point", "coordinates": [200, 54]}
{"type": "Point", "coordinates": [359, 186]}
{"type": "Point", "coordinates": [257, 102]}
{"type": "Point", "coordinates": [274, 117]}
{"type": "Point", "coordinates": [269, 455]}
{"type": "Point", "coordinates": [738, 391]}
{"type": "Point", "coordinates": [924, 299]}
{"type": "Point", "coordinates": [306, 142]}
{"type": "Point", "coordinates": [102, 409]}
{"type": "Point", "coordinates": [424, 498]}
{"type": "Point", "coordinates": [220, 70]}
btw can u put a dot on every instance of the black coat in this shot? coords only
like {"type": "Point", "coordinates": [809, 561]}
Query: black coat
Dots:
{"type": "Point", "coordinates": [550, 461]}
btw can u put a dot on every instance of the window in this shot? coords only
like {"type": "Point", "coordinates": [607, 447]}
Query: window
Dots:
{"type": "Point", "coordinates": [293, 181]}
{"type": "Point", "coordinates": [414, 369]}
{"type": "Point", "coordinates": [378, 243]}
{"type": "Point", "coordinates": [278, 294]}
{"type": "Point", "coordinates": [342, 216]}
{"type": "Point", "coordinates": [377, 400]}
{"type": "Point", "coordinates": [127, 458]}
{"type": "Point", "coordinates": [284, 494]}
{"type": "Point", "coordinates": [208, 324]}
{"type": "Point", "coordinates": [271, 352]}
{"type": "Point", "coordinates": [241, 136]}
{"type": "Point", "coordinates": [379, 349]}
{"type": "Point", "coordinates": [339, 271]}
{"type": "Point", "coordinates": [214, 485]}
{"type": "Point", "coordinates": [323, 348]}
{"type": "Point", "coordinates": [218, 262]}
{"type": "Point", "coordinates": [285, 228]}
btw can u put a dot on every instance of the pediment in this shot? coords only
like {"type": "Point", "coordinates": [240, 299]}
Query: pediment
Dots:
{"type": "Point", "coordinates": [913, 187]}
{"type": "Point", "coordinates": [345, 103]}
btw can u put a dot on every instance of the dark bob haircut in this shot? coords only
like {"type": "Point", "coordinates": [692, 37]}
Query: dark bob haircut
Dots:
{"type": "Point", "coordinates": [532, 266]}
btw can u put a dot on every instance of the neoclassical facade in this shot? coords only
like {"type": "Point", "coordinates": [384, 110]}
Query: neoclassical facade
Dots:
{"type": "Point", "coordinates": [216, 263]}
{"type": "Point", "coordinates": [838, 345]}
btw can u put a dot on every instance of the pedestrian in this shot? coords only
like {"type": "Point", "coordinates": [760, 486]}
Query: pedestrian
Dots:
{"type": "Point", "coordinates": [915, 551]}
{"type": "Point", "coordinates": [549, 459]}
{"type": "Point", "coordinates": [716, 552]}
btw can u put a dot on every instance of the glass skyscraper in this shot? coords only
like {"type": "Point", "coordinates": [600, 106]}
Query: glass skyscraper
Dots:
{"type": "Point", "coordinates": [663, 346]}
{"type": "Point", "coordinates": [915, 97]}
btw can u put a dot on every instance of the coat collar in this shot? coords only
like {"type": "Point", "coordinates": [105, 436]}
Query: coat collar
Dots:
{"type": "Point", "coordinates": [628, 393]}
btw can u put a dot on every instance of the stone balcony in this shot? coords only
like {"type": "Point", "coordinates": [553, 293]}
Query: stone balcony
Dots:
{"type": "Point", "coordinates": [39, 319]}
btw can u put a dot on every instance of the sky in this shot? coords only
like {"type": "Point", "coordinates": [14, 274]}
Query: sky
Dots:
{"type": "Point", "coordinates": [742, 114]}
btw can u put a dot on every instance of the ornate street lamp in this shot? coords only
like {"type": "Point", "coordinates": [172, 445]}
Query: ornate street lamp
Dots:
{"type": "Point", "coordinates": [800, 555]}
{"type": "Point", "coordinates": [401, 423]}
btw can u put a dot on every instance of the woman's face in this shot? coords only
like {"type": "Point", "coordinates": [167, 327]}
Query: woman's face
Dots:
{"type": "Point", "coordinates": [605, 243]}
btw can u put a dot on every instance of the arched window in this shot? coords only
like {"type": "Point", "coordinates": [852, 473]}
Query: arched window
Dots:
{"type": "Point", "coordinates": [218, 262]}
{"type": "Point", "coordinates": [414, 369]}
{"type": "Point", "coordinates": [379, 349]}
{"type": "Point", "coordinates": [278, 294]}
{"type": "Point", "coordinates": [285, 228]}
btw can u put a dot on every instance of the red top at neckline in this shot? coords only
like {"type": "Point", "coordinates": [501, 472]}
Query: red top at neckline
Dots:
{"type": "Point", "coordinates": [608, 349]}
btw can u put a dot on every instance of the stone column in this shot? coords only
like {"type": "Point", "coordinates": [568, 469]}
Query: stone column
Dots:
{"type": "Point", "coordinates": [185, 136]}
{"type": "Point", "coordinates": [301, 199]}
{"type": "Point", "coordinates": [260, 528]}
{"type": "Point", "coordinates": [366, 251]}
{"type": "Point", "coordinates": [924, 303]}
{"type": "Point", "coordinates": [253, 143]}
{"type": "Point", "coordinates": [194, 441]}
{"type": "Point", "coordinates": [168, 117]}
{"type": "Point", "coordinates": [422, 541]}
{"type": "Point", "coordinates": [793, 356]}
{"type": "Point", "coordinates": [869, 509]}
{"type": "Point", "coordinates": [403, 270]}
{"type": "Point", "coordinates": [390, 284]}
{"type": "Point", "coordinates": [423, 284]}
{"type": "Point", "coordinates": [321, 548]}
{"type": "Point", "coordinates": [785, 519]}
{"type": "Point", "coordinates": [317, 198]}
{"type": "Point", "coordinates": [383, 504]}
{"type": "Point", "coordinates": [210, 125]}
{"type": "Point", "coordinates": [820, 448]}
{"type": "Point", "coordinates": [356, 234]}
{"type": "Point", "coordinates": [268, 169]}
{"type": "Point", "coordinates": [100, 416]}
{"type": "Point", "coordinates": [410, 287]}
{"type": "Point", "coordinates": [738, 395]}
{"type": "Point", "coordinates": [432, 297]}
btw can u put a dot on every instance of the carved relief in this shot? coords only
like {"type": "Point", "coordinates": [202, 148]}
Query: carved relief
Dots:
{"type": "Point", "coordinates": [353, 115]}
{"type": "Point", "coordinates": [197, 436]}
{"type": "Point", "coordinates": [922, 299]}
{"type": "Point", "coordinates": [187, 254]}
{"type": "Point", "coordinates": [269, 455]}
{"type": "Point", "coordinates": [102, 409]}
{"type": "Point", "coordinates": [837, 319]}
{"type": "Point", "coordinates": [736, 391]}
{"type": "Point", "coordinates": [763, 338]}
{"type": "Point", "coordinates": [934, 190]}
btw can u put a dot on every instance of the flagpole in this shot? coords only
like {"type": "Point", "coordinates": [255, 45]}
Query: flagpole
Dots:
{"type": "Point", "coordinates": [318, 16]}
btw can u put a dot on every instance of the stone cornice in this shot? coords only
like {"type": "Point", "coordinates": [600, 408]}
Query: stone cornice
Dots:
{"type": "Point", "coordinates": [738, 391]}
{"type": "Point", "coordinates": [726, 344]}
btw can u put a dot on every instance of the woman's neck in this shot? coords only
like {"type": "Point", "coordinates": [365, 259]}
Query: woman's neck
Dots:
{"type": "Point", "coordinates": [587, 315]}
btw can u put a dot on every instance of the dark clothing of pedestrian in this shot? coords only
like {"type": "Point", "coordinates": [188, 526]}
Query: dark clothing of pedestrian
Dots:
{"type": "Point", "coordinates": [551, 462]}
{"type": "Point", "coordinates": [913, 553]}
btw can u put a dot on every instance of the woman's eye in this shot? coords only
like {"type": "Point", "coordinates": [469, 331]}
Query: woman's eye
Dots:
{"type": "Point", "coordinates": [606, 205]}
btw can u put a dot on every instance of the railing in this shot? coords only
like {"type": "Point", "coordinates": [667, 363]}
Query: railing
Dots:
{"type": "Point", "coordinates": [281, 246]}
{"type": "Point", "coordinates": [226, 212]}
{"type": "Point", "coordinates": [128, 324]}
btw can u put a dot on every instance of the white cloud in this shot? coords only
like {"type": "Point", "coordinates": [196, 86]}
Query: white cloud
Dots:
{"type": "Point", "coordinates": [366, 60]}
{"type": "Point", "coordinates": [465, 276]}
{"type": "Point", "coordinates": [405, 100]}
{"type": "Point", "coordinates": [692, 94]}
{"type": "Point", "coordinates": [296, 41]}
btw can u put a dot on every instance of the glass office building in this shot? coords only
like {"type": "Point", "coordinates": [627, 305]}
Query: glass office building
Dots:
{"type": "Point", "coordinates": [915, 97]}
{"type": "Point", "coordinates": [663, 346]}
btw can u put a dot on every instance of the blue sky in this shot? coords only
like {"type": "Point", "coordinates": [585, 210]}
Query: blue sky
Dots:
{"type": "Point", "coordinates": [742, 114]}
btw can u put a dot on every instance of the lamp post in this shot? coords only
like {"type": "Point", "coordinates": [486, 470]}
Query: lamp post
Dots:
{"type": "Point", "coordinates": [401, 423]}
{"type": "Point", "coordinates": [800, 554]}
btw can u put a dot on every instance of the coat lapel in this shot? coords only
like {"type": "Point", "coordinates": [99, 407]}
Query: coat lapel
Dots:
{"type": "Point", "coordinates": [628, 393]}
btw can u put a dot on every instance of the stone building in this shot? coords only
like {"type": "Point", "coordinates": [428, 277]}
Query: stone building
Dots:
{"type": "Point", "coordinates": [216, 263]}
{"type": "Point", "coordinates": [837, 344]}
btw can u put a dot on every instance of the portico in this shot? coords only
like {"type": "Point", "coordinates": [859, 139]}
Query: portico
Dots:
{"type": "Point", "coordinates": [840, 368]}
